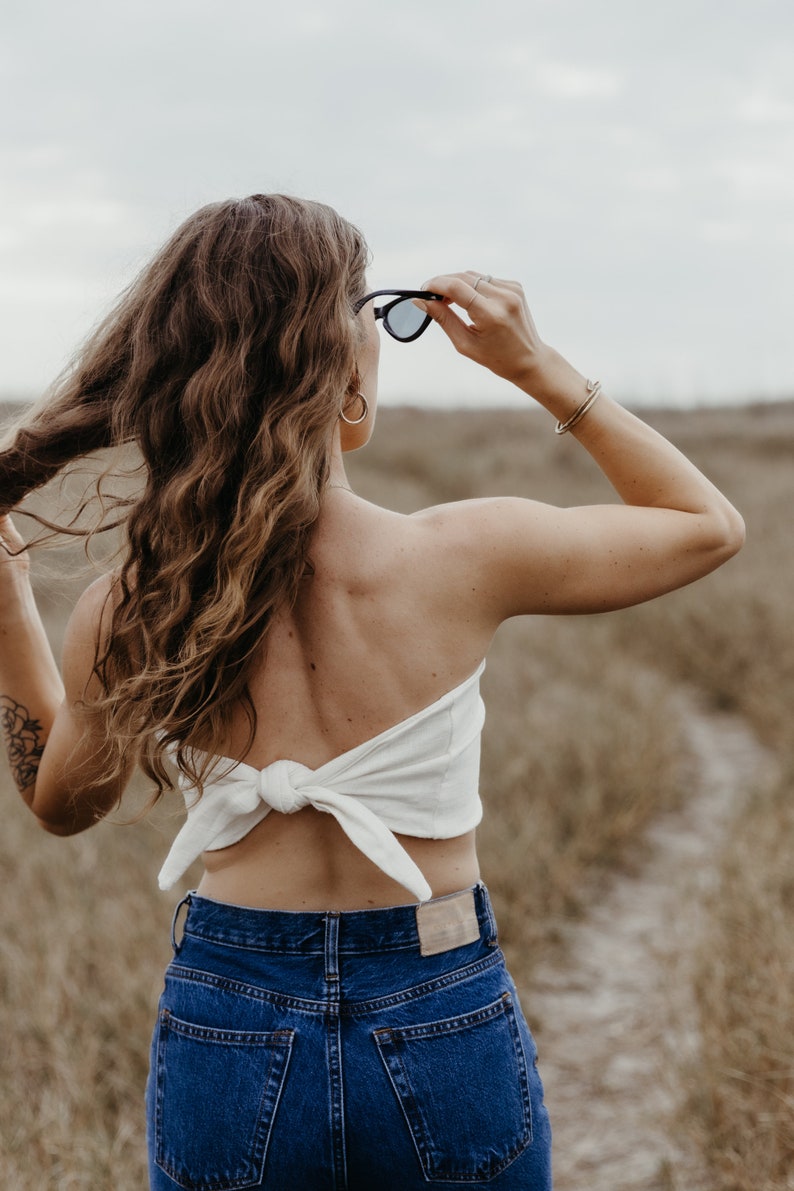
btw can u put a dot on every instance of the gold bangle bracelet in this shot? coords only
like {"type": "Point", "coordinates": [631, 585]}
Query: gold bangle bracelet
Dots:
{"type": "Point", "coordinates": [593, 393]}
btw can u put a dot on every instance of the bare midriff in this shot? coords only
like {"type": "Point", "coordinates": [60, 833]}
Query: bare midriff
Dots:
{"type": "Point", "coordinates": [304, 861]}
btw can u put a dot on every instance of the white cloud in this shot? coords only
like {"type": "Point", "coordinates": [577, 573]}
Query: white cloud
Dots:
{"type": "Point", "coordinates": [567, 80]}
{"type": "Point", "coordinates": [761, 107]}
{"type": "Point", "coordinates": [51, 289]}
{"type": "Point", "coordinates": [69, 213]}
{"type": "Point", "coordinates": [655, 179]}
{"type": "Point", "coordinates": [725, 231]}
{"type": "Point", "coordinates": [616, 167]}
{"type": "Point", "coordinates": [761, 177]}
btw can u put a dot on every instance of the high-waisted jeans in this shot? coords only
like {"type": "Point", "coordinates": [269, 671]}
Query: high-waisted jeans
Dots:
{"type": "Point", "coordinates": [311, 1051]}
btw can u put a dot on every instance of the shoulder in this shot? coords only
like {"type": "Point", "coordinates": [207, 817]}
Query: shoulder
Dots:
{"type": "Point", "coordinates": [481, 531]}
{"type": "Point", "coordinates": [513, 556]}
{"type": "Point", "coordinates": [86, 630]}
{"type": "Point", "coordinates": [470, 549]}
{"type": "Point", "coordinates": [460, 520]}
{"type": "Point", "coordinates": [93, 610]}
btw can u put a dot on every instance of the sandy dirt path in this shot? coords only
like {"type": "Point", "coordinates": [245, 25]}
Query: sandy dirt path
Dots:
{"type": "Point", "coordinates": [615, 1013]}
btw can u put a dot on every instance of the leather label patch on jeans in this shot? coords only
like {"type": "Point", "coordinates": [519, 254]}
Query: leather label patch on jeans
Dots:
{"type": "Point", "coordinates": [447, 922]}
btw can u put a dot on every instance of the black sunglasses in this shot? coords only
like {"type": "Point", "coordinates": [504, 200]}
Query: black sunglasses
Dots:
{"type": "Point", "coordinates": [401, 318]}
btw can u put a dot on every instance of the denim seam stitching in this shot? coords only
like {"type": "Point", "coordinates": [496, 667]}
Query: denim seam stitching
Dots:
{"type": "Point", "coordinates": [196, 975]}
{"type": "Point", "coordinates": [458, 976]}
{"type": "Point", "coordinates": [229, 941]}
{"type": "Point", "coordinates": [185, 974]}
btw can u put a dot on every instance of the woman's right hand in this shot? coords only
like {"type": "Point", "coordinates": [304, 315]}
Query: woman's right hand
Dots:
{"type": "Point", "coordinates": [501, 334]}
{"type": "Point", "coordinates": [673, 527]}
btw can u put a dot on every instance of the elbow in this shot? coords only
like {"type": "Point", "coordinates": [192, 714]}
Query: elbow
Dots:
{"type": "Point", "coordinates": [69, 822]}
{"type": "Point", "coordinates": [72, 820]}
{"type": "Point", "coordinates": [725, 536]}
{"type": "Point", "coordinates": [734, 532]}
{"type": "Point", "coordinates": [61, 828]}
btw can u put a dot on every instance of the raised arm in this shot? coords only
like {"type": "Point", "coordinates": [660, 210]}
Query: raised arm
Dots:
{"type": "Point", "coordinates": [673, 527]}
{"type": "Point", "coordinates": [54, 751]}
{"type": "Point", "coordinates": [31, 690]}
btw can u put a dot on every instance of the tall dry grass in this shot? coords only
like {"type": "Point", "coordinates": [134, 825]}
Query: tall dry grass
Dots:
{"type": "Point", "coordinates": [741, 1105]}
{"type": "Point", "coordinates": [731, 633]}
{"type": "Point", "coordinates": [583, 744]}
{"type": "Point", "coordinates": [732, 636]}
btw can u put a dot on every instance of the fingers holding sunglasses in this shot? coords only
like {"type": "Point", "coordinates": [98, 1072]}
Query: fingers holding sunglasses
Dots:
{"type": "Point", "coordinates": [456, 289]}
{"type": "Point", "coordinates": [481, 282]}
{"type": "Point", "coordinates": [453, 291]}
{"type": "Point", "coordinates": [484, 283]}
{"type": "Point", "coordinates": [460, 287]}
{"type": "Point", "coordinates": [475, 285]}
{"type": "Point", "coordinates": [501, 334]}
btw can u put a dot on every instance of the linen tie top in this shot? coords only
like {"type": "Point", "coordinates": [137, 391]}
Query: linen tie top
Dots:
{"type": "Point", "coordinates": [420, 777]}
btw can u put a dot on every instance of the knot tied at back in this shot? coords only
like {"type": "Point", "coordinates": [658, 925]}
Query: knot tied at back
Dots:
{"type": "Point", "coordinates": [279, 785]}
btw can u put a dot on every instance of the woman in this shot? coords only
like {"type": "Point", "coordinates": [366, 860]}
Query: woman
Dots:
{"type": "Point", "coordinates": [337, 1013]}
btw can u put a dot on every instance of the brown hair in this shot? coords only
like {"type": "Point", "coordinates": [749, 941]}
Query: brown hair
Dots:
{"type": "Point", "coordinates": [226, 362]}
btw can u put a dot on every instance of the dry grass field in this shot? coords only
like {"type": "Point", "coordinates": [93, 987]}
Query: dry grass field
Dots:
{"type": "Point", "coordinates": [584, 746]}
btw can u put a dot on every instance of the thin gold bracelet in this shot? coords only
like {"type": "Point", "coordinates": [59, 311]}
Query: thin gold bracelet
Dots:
{"type": "Point", "coordinates": [593, 393]}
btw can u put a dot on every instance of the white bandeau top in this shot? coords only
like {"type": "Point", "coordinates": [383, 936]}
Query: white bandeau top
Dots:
{"type": "Point", "coordinates": [420, 777]}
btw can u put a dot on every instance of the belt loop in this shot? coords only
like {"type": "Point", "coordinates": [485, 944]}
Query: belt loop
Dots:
{"type": "Point", "coordinates": [184, 902]}
{"type": "Point", "coordinates": [332, 946]}
{"type": "Point", "coordinates": [491, 937]}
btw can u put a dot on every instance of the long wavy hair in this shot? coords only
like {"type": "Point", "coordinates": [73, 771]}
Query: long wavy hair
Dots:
{"type": "Point", "coordinates": [226, 362]}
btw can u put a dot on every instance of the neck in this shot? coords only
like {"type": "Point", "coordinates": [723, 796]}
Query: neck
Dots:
{"type": "Point", "coordinates": [337, 477]}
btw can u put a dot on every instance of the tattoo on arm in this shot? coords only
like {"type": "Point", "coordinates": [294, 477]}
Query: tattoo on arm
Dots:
{"type": "Point", "coordinates": [22, 735]}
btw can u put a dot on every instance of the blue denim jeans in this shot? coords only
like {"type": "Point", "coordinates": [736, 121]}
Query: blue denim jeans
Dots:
{"type": "Point", "coordinates": [311, 1051]}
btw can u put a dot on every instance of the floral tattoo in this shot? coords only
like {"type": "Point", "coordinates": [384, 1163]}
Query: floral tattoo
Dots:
{"type": "Point", "coordinates": [22, 736]}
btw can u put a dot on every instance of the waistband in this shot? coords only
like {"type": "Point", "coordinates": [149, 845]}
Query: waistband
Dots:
{"type": "Point", "coordinates": [430, 927]}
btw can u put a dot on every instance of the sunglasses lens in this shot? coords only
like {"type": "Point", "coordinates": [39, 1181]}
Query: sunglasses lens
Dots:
{"type": "Point", "coordinates": [404, 319]}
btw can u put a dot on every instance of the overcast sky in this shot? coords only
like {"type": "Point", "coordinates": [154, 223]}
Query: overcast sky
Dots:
{"type": "Point", "coordinates": [631, 163]}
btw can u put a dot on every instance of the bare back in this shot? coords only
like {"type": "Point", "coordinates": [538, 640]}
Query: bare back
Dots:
{"type": "Point", "coordinates": [398, 610]}
{"type": "Point", "coordinates": [376, 635]}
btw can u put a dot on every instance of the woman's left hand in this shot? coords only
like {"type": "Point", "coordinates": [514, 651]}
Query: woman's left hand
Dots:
{"type": "Point", "coordinates": [14, 560]}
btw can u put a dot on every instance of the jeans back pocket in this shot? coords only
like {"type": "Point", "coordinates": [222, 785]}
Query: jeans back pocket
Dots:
{"type": "Point", "coordinates": [463, 1088]}
{"type": "Point", "coordinates": [216, 1098]}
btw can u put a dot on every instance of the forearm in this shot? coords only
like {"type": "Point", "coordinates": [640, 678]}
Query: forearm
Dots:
{"type": "Point", "coordinates": [645, 469]}
{"type": "Point", "coordinates": [642, 466]}
{"type": "Point", "coordinates": [31, 690]}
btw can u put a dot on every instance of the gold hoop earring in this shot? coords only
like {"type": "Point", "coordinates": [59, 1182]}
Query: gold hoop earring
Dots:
{"type": "Point", "coordinates": [364, 412]}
